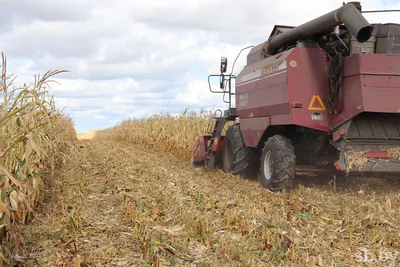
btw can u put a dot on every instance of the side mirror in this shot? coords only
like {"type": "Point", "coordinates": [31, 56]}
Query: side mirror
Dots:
{"type": "Point", "coordinates": [221, 82]}
{"type": "Point", "coordinates": [224, 64]}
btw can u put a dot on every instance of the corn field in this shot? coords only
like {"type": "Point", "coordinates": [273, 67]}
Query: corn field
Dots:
{"type": "Point", "coordinates": [35, 138]}
{"type": "Point", "coordinates": [176, 135]}
{"type": "Point", "coordinates": [126, 196]}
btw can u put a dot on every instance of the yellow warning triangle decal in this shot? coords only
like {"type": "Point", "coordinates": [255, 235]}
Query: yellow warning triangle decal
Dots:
{"type": "Point", "coordinates": [312, 102]}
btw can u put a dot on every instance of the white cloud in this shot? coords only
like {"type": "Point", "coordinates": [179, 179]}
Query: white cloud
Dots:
{"type": "Point", "coordinates": [136, 58]}
{"type": "Point", "coordinates": [198, 92]}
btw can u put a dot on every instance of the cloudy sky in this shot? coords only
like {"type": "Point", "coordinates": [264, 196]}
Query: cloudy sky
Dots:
{"type": "Point", "coordinates": [132, 58]}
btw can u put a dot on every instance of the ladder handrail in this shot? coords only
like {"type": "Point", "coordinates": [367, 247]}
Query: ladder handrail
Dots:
{"type": "Point", "coordinates": [226, 81]}
{"type": "Point", "coordinates": [209, 130]}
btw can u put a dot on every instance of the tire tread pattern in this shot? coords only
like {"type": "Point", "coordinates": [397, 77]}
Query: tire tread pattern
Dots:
{"type": "Point", "coordinates": [242, 156]}
{"type": "Point", "coordinates": [284, 163]}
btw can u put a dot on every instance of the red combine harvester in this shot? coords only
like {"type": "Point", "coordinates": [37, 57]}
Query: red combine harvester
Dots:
{"type": "Point", "coordinates": [321, 96]}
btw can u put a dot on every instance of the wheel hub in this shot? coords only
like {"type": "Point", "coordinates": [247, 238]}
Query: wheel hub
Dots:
{"type": "Point", "coordinates": [267, 165]}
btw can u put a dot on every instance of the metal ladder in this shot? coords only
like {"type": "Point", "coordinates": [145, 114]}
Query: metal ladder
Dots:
{"type": "Point", "coordinates": [216, 133]}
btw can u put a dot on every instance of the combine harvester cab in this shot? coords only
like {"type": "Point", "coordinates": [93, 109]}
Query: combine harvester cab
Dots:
{"type": "Point", "coordinates": [323, 96]}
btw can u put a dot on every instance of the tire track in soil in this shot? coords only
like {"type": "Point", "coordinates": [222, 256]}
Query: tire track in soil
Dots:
{"type": "Point", "coordinates": [80, 221]}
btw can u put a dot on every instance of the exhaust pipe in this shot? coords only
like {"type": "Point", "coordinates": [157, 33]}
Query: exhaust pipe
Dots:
{"type": "Point", "coordinates": [348, 14]}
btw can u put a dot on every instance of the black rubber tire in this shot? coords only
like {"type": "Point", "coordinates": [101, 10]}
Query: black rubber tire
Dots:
{"type": "Point", "coordinates": [283, 163]}
{"type": "Point", "coordinates": [237, 158]}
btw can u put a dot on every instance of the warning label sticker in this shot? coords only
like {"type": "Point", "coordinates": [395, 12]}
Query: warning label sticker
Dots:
{"type": "Point", "coordinates": [316, 103]}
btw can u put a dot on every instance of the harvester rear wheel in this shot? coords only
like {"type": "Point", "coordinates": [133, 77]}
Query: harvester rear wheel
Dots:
{"type": "Point", "coordinates": [237, 158]}
{"type": "Point", "coordinates": [278, 163]}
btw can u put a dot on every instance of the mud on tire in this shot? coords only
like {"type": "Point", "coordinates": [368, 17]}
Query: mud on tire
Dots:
{"type": "Point", "coordinates": [237, 158]}
{"type": "Point", "coordinates": [278, 163]}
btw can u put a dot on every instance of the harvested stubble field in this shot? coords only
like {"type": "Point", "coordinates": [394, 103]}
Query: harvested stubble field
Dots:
{"type": "Point", "coordinates": [129, 198]}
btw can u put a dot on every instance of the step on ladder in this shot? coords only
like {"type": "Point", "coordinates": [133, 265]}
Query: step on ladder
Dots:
{"type": "Point", "coordinates": [216, 133]}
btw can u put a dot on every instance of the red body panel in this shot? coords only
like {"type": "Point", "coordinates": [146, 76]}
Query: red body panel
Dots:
{"type": "Point", "coordinates": [201, 148]}
{"type": "Point", "coordinates": [265, 90]}
{"type": "Point", "coordinates": [200, 151]}
{"type": "Point", "coordinates": [352, 100]}
{"type": "Point", "coordinates": [371, 83]}
{"type": "Point", "coordinates": [253, 129]}
{"type": "Point", "coordinates": [378, 90]}
{"type": "Point", "coordinates": [307, 78]}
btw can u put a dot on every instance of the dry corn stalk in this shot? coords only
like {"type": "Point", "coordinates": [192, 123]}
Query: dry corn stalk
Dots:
{"type": "Point", "coordinates": [356, 160]}
{"type": "Point", "coordinates": [34, 139]}
{"type": "Point", "coordinates": [174, 134]}
{"type": "Point", "coordinates": [394, 153]}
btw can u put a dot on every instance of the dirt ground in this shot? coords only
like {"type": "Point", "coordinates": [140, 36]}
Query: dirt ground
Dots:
{"type": "Point", "coordinates": [116, 204]}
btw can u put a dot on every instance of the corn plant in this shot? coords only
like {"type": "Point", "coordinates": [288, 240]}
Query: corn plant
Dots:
{"type": "Point", "coordinates": [35, 138]}
{"type": "Point", "coordinates": [173, 134]}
